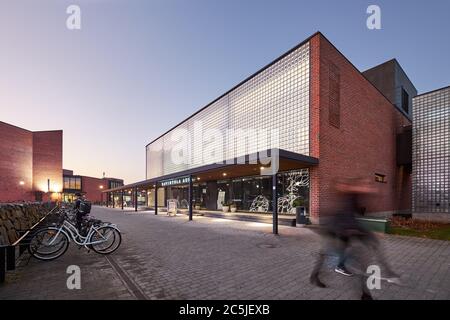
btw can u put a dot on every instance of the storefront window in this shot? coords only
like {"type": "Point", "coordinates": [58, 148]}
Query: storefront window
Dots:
{"type": "Point", "coordinates": [252, 193]}
{"type": "Point", "coordinates": [179, 193]}
{"type": "Point", "coordinates": [293, 190]}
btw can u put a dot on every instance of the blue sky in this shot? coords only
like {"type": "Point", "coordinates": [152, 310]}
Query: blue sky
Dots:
{"type": "Point", "coordinates": [136, 68]}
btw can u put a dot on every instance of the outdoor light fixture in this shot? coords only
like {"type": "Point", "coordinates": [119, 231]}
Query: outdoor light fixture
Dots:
{"type": "Point", "coordinates": [262, 168]}
{"type": "Point", "coordinates": [101, 187]}
{"type": "Point", "coordinates": [224, 174]}
{"type": "Point", "coordinates": [22, 183]}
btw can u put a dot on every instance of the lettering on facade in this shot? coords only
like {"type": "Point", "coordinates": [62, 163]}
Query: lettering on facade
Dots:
{"type": "Point", "coordinates": [172, 182]}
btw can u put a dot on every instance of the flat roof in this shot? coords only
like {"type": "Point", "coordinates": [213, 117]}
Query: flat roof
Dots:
{"type": "Point", "coordinates": [283, 154]}
{"type": "Point", "coordinates": [432, 91]}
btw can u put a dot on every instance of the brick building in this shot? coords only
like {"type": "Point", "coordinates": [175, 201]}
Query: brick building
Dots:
{"type": "Point", "coordinates": [326, 120]}
{"type": "Point", "coordinates": [89, 186]}
{"type": "Point", "coordinates": [30, 164]}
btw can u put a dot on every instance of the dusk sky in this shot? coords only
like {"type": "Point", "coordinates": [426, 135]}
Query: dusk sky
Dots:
{"type": "Point", "coordinates": [136, 68]}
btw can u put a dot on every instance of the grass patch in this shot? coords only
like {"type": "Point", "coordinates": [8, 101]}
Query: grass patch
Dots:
{"type": "Point", "coordinates": [419, 228]}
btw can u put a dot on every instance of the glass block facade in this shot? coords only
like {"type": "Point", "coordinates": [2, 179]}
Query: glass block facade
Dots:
{"type": "Point", "coordinates": [275, 99]}
{"type": "Point", "coordinates": [431, 152]}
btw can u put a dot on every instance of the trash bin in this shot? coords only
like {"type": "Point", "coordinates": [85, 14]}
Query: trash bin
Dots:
{"type": "Point", "coordinates": [301, 218]}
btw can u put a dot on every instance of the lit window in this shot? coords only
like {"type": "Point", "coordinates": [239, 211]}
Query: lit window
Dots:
{"type": "Point", "coordinates": [380, 178]}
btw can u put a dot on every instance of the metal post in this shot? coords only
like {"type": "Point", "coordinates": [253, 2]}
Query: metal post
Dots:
{"type": "Point", "coordinates": [156, 198]}
{"type": "Point", "coordinates": [275, 203]}
{"type": "Point", "coordinates": [22, 248]}
{"type": "Point", "coordinates": [10, 258]}
{"type": "Point", "coordinates": [2, 264]}
{"type": "Point", "coordinates": [121, 198]}
{"type": "Point", "coordinates": [113, 202]}
{"type": "Point", "coordinates": [135, 199]}
{"type": "Point", "coordinates": [190, 195]}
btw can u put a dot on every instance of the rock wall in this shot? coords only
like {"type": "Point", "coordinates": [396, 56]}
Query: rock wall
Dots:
{"type": "Point", "coordinates": [16, 218]}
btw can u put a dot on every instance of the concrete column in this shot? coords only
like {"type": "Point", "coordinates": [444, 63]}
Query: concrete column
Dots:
{"type": "Point", "coordinates": [121, 198]}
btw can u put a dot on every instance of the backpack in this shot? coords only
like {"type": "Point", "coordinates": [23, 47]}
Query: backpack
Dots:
{"type": "Point", "coordinates": [85, 207]}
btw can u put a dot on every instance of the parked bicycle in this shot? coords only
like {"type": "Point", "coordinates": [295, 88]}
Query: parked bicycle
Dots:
{"type": "Point", "coordinates": [53, 241]}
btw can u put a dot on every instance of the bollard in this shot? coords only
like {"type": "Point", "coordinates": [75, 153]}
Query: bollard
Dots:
{"type": "Point", "coordinates": [2, 264]}
{"type": "Point", "coordinates": [10, 258]}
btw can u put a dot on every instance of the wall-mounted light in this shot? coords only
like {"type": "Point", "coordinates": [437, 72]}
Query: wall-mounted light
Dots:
{"type": "Point", "coordinates": [101, 187]}
{"type": "Point", "coordinates": [21, 183]}
{"type": "Point", "coordinates": [224, 174]}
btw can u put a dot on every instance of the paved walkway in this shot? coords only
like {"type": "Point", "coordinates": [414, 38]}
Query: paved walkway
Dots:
{"type": "Point", "coordinates": [170, 258]}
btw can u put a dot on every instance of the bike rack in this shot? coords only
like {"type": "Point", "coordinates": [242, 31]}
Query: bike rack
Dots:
{"type": "Point", "coordinates": [8, 253]}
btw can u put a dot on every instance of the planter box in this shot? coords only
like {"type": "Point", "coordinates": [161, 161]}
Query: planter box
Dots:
{"type": "Point", "coordinates": [373, 224]}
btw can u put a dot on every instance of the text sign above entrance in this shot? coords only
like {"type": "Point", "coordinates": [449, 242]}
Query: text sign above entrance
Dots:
{"type": "Point", "coordinates": [175, 181]}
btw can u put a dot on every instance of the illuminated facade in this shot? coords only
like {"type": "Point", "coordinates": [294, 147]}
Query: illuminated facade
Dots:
{"type": "Point", "coordinates": [305, 115]}
{"type": "Point", "coordinates": [30, 164]}
{"type": "Point", "coordinates": [275, 98]}
{"type": "Point", "coordinates": [431, 154]}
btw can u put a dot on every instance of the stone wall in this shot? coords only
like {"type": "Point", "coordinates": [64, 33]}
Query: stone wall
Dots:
{"type": "Point", "coordinates": [16, 218]}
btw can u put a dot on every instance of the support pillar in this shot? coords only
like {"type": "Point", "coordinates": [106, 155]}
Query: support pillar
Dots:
{"type": "Point", "coordinates": [156, 199]}
{"type": "Point", "coordinates": [190, 195]}
{"type": "Point", "coordinates": [135, 199]}
{"type": "Point", "coordinates": [121, 198]}
{"type": "Point", "coordinates": [113, 202]}
{"type": "Point", "coordinates": [275, 203]}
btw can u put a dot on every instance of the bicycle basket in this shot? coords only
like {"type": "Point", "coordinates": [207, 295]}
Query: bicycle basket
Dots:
{"type": "Point", "coordinates": [85, 207]}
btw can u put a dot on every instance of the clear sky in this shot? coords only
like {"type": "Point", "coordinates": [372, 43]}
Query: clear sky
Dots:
{"type": "Point", "coordinates": [136, 68]}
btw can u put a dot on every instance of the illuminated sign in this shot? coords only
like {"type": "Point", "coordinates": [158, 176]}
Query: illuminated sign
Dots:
{"type": "Point", "coordinates": [175, 181]}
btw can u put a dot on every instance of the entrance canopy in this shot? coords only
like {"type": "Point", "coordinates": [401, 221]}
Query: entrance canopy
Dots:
{"type": "Point", "coordinates": [253, 164]}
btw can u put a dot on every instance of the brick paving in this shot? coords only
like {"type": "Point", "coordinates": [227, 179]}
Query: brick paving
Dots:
{"type": "Point", "coordinates": [171, 258]}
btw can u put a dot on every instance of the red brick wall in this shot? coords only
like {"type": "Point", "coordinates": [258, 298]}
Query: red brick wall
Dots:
{"type": "Point", "coordinates": [16, 149]}
{"type": "Point", "coordinates": [91, 186]}
{"type": "Point", "coordinates": [47, 160]}
{"type": "Point", "coordinates": [365, 142]}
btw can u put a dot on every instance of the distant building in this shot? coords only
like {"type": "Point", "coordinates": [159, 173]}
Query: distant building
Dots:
{"type": "Point", "coordinates": [31, 168]}
{"type": "Point", "coordinates": [431, 155]}
{"type": "Point", "coordinates": [30, 164]}
{"type": "Point", "coordinates": [89, 186]}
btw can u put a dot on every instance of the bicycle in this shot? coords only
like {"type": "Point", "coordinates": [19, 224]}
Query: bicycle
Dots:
{"type": "Point", "coordinates": [52, 242]}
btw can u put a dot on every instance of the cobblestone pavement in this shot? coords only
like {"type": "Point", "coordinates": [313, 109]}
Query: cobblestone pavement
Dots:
{"type": "Point", "coordinates": [171, 258]}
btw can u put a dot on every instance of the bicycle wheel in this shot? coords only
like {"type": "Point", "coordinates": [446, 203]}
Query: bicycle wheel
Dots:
{"type": "Point", "coordinates": [105, 240]}
{"type": "Point", "coordinates": [39, 238]}
{"type": "Point", "coordinates": [48, 244]}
